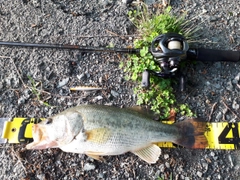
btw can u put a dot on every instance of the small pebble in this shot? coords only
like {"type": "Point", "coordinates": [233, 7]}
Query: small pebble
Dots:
{"type": "Point", "coordinates": [100, 176]}
{"type": "Point", "coordinates": [229, 86]}
{"type": "Point", "coordinates": [219, 116]}
{"type": "Point", "coordinates": [205, 166]}
{"type": "Point", "coordinates": [41, 176]}
{"type": "Point", "coordinates": [236, 79]}
{"type": "Point", "coordinates": [89, 167]}
{"type": "Point", "coordinates": [100, 80]}
{"type": "Point", "coordinates": [88, 75]}
{"type": "Point", "coordinates": [230, 160]}
{"type": "Point", "coordinates": [63, 82]}
{"type": "Point", "coordinates": [114, 93]}
{"type": "Point", "coordinates": [21, 100]}
{"type": "Point", "coordinates": [81, 76]}
{"type": "Point", "coordinates": [1, 85]}
{"type": "Point", "coordinates": [217, 65]}
{"type": "Point", "coordinates": [167, 164]}
{"type": "Point", "coordinates": [213, 18]}
{"type": "Point", "coordinates": [149, 2]}
{"type": "Point", "coordinates": [217, 86]}
{"type": "Point", "coordinates": [127, 1]}
{"type": "Point", "coordinates": [199, 174]}
{"type": "Point", "coordinates": [166, 156]}
{"type": "Point", "coordinates": [235, 106]}
{"type": "Point", "coordinates": [228, 117]}
{"type": "Point", "coordinates": [208, 83]}
{"type": "Point", "coordinates": [69, 103]}
{"type": "Point", "coordinates": [161, 167]}
{"type": "Point", "coordinates": [97, 98]}
{"type": "Point", "coordinates": [212, 154]}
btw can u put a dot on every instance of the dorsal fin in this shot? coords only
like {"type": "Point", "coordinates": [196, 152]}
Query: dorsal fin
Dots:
{"type": "Point", "coordinates": [145, 111]}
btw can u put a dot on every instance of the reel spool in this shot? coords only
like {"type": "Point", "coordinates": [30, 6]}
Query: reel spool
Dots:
{"type": "Point", "coordinates": [168, 50]}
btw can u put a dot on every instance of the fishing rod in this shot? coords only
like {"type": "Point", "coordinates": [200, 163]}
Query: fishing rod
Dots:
{"type": "Point", "coordinates": [167, 49]}
{"type": "Point", "coordinates": [71, 47]}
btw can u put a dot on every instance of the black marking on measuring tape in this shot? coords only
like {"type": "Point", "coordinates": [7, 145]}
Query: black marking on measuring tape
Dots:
{"type": "Point", "coordinates": [22, 130]}
{"type": "Point", "coordinates": [21, 134]}
{"type": "Point", "coordinates": [223, 139]}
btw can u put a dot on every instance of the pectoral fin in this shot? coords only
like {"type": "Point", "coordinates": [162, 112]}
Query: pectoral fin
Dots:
{"type": "Point", "coordinates": [96, 157]}
{"type": "Point", "coordinates": [149, 154]}
{"type": "Point", "coordinates": [98, 135]}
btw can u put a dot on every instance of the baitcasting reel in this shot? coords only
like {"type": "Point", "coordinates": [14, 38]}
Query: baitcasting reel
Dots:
{"type": "Point", "coordinates": [168, 50]}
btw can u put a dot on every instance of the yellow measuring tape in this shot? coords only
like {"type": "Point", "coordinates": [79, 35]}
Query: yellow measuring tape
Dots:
{"type": "Point", "coordinates": [220, 135]}
{"type": "Point", "coordinates": [19, 130]}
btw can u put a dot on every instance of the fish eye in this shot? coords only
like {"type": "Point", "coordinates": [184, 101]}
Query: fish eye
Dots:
{"type": "Point", "coordinates": [49, 121]}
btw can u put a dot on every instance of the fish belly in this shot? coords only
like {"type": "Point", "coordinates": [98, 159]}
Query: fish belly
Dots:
{"type": "Point", "coordinates": [115, 143]}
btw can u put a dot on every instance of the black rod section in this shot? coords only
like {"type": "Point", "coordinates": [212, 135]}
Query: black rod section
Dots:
{"type": "Point", "coordinates": [73, 47]}
{"type": "Point", "coordinates": [202, 54]}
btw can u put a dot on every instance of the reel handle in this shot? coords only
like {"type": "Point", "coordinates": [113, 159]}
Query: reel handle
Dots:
{"type": "Point", "coordinates": [202, 54]}
{"type": "Point", "coordinates": [145, 79]}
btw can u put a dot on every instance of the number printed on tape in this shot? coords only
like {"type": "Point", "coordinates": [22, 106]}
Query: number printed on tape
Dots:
{"type": "Point", "coordinates": [223, 135]}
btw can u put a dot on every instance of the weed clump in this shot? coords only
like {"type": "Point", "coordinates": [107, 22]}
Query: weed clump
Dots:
{"type": "Point", "coordinates": [160, 96]}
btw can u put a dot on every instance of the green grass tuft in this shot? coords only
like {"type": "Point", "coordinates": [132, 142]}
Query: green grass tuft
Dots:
{"type": "Point", "coordinates": [160, 96]}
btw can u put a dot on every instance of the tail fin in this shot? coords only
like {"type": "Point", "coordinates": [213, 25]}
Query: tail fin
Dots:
{"type": "Point", "coordinates": [192, 133]}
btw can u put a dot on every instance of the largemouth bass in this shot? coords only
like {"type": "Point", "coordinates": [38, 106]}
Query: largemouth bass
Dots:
{"type": "Point", "coordinates": [97, 130]}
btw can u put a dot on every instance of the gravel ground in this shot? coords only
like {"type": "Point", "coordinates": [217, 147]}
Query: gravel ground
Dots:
{"type": "Point", "coordinates": [212, 91]}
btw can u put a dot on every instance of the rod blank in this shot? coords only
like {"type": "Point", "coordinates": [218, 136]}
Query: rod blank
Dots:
{"type": "Point", "coordinates": [73, 47]}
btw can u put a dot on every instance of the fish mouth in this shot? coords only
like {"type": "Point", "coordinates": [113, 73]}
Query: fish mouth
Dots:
{"type": "Point", "coordinates": [37, 136]}
{"type": "Point", "coordinates": [40, 139]}
{"type": "Point", "coordinates": [37, 133]}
